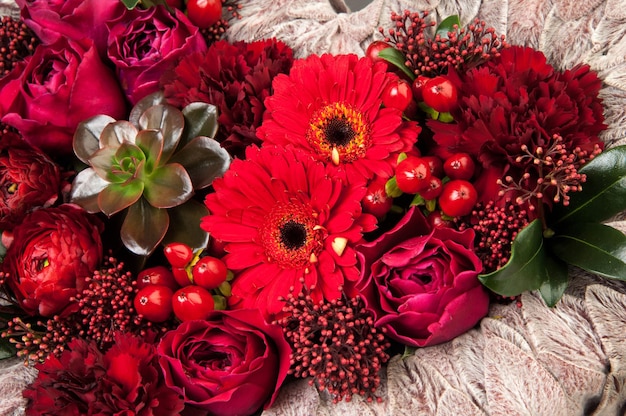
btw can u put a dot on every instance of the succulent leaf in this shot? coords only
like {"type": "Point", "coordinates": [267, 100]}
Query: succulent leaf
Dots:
{"type": "Point", "coordinates": [114, 134]}
{"type": "Point", "coordinates": [118, 196]}
{"type": "Point", "coordinates": [185, 225]}
{"type": "Point", "coordinates": [170, 121]}
{"type": "Point", "coordinates": [102, 163]}
{"type": "Point", "coordinates": [168, 186]}
{"type": "Point", "coordinates": [85, 189]}
{"type": "Point", "coordinates": [87, 136]}
{"type": "Point", "coordinates": [200, 120]}
{"type": "Point", "coordinates": [148, 101]}
{"type": "Point", "coordinates": [204, 159]}
{"type": "Point", "coordinates": [144, 227]}
{"type": "Point", "coordinates": [151, 144]}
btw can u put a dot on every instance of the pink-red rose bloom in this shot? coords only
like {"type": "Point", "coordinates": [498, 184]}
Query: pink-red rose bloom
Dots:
{"type": "Point", "coordinates": [53, 251]}
{"type": "Point", "coordinates": [422, 284]}
{"type": "Point", "coordinates": [144, 43]}
{"type": "Point", "coordinates": [231, 364]}
{"type": "Point", "coordinates": [78, 20]}
{"type": "Point", "coordinates": [28, 179]}
{"type": "Point", "coordinates": [61, 85]}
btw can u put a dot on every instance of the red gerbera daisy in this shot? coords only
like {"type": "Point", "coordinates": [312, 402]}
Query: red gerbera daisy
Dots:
{"type": "Point", "coordinates": [331, 107]}
{"type": "Point", "coordinates": [283, 217]}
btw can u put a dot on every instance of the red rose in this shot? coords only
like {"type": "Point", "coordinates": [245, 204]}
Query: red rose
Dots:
{"type": "Point", "coordinates": [28, 180]}
{"type": "Point", "coordinates": [61, 85]}
{"type": "Point", "coordinates": [143, 43]}
{"type": "Point", "coordinates": [422, 285]}
{"type": "Point", "coordinates": [231, 364]}
{"type": "Point", "coordinates": [52, 253]}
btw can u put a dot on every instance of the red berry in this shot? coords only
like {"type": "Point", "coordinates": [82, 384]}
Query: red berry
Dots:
{"type": "Point", "coordinates": [376, 200]}
{"type": "Point", "coordinates": [192, 302]}
{"type": "Point", "coordinates": [440, 94]}
{"type": "Point", "coordinates": [157, 275]}
{"type": "Point", "coordinates": [435, 164]}
{"type": "Point", "coordinates": [154, 302]}
{"type": "Point", "coordinates": [412, 175]}
{"type": "Point", "coordinates": [209, 272]}
{"type": "Point", "coordinates": [181, 276]}
{"type": "Point", "coordinates": [436, 220]}
{"type": "Point", "coordinates": [374, 48]}
{"type": "Point", "coordinates": [434, 188]}
{"type": "Point", "coordinates": [459, 166]}
{"type": "Point", "coordinates": [397, 94]}
{"type": "Point", "coordinates": [178, 254]}
{"type": "Point", "coordinates": [457, 198]}
{"type": "Point", "coordinates": [418, 86]}
{"type": "Point", "coordinates": [204, 13]}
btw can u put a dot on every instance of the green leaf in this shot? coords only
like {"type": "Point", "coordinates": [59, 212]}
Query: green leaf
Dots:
{"type": "Point", "coordinates": [395, 57]}
{"type": "Point", "coordinates": [603, 194]}
{"type": "Point", "coordinates": [594, 247]}
{"type": "Point", "coordinates": [391, 187]}
{"type": "Point", "coordinates": [170, 121]}
{"type": "Point", "coordinates": [417, 200]}
{"type": "Point", "coordinates": [526, 269]}
{"type": "Point", "coordinates": [447, 25]}
{"type": "Point", "coordinates": [144, 227]}
{"type": "Point", "coordinates": [156, 98]}
{"type": "Point", "coordinates": [185, 225]}
{"type": "Point", "coordinates": [434, 114]}
{"type": "Point", "coordinates": [200, 120]}
{"type": "Point", "coordinates": [119, 196]}
{"type": "Point", "coordinates": [204, 160]}
{"type": "Point", "coordinates": [130, 4]}
{"type": "Point", "coordinates": [554, 286]}
{"type": "Point", "coordinates": [151, 143]}
{"type": "Point", "coordinates": [168, 186]}
{"type": "Point", "coordinates": [115, 134]}
{"type": "Point", "coordinates": [7, 350]}
{"type": "Point", "coordinates": [86, 139]}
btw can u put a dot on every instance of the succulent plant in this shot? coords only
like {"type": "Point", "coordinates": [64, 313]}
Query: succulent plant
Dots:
{"type": "Point", "coordinates": [149, 167]}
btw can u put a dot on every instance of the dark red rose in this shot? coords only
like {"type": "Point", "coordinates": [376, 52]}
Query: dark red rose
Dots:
{"type": "Point", "coordinates": [125, 380]}
{"type": "Point", "coordinates": [28, 180]}
{"type": "Point", "coordinates": [53, 251]}
{"type": "Point", "coordinates": [231, 364]}
{"type": "Point", "coordinates": [52, 20]}
{"type": "Point", "coordinates": [236, 78]}
{"type": "Point", "coordinates": [61, 85]}
{"type": "Point", "coordinates": [143, 43]}
{"type": "Point", "coordinates": [422, 284]}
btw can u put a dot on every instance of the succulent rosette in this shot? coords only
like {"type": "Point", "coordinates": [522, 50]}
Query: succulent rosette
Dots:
{"type": "Point", "coordinates": [283, 218]}
{"type": "Point", "coordinates": [149, 167]}
{"type": "Point", "coordinates": [46, 96]}
{"type": "Point", "coordinates": [143, 43]}
{"type": "Point", "coordinates": [233, 363]}
{"type": "Point", "coordinates": [421, 284]}
{"type": "Point", "coordinates": [330, 106]}
{"type": "Point", "coordinates": [52, 253]}
{"type": "Point", "coordinates": [28, 179]}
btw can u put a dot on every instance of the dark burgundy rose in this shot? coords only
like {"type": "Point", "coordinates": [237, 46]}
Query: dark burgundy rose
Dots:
{"type": "Point", "coordinates": [53, 251]}
{"type": "Point", "coordinates": [143, 43]}
{"type": "Point", "coordinates": [61, 85]}
{"type": "Point", "coordinates": [28, 179]}
{"type": "Point", "coordinates": [125, 380]}
{"type": "Point", "coordinates": [231, 364]}
{"type": "Point", "coordinates": [422, 284]}
{"type": "Point", "coordinates": [52, 20]}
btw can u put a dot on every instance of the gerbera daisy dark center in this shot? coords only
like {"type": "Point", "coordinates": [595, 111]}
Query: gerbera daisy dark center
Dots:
{"type": "Point", "coordinates": [339, 133]}
{"type": "Point", "coordinates": [291, 236]}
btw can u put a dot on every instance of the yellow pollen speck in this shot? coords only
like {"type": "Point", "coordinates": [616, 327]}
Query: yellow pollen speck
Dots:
{"type": "Point", "coordinates": [318, 227]}
{"type": "Point", "coordinates": [339, 245]}
{"type": "Point", "coordinates": [12, 188]}
{"type": "Point", "coordinates": [307, 271]}
{"type": "Point", "coordinates": [313, 258]}
{"type": "Point", "coordinates": [334, 156]}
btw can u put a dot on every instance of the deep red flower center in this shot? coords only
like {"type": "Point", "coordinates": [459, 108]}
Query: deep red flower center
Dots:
{"type": "Point", "coordinates": [339, 132]}
{"type": "Point", "coordinates": [291, 236]}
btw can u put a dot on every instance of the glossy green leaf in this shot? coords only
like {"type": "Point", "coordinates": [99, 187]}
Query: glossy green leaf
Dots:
{"type": "Point", "coordinates": [603, 194]}
{"type": "Point", "coordinates": [204, 160]}
{"type": "Point", "coordinates": [127, 164]}
{"type": "Point", "coordinates": [395, 57]}
{"type": "Point", "coordinates": [168, 186]}
{"type": "Point", "coordinates": [526, 269]}
{"type": "Point", "coordinates": [554, 286]}
{"type": "Point", "coordinates": [391, 188]}
{"type": "Point", "coordinates": [170, 121]}
{"type": "Point", "coordinates": [102, 162]}
{"type": "Point", "coordinates": [200, 120]}
{"type": "Point", "coordinates": [114, 134]}
{"type": "Point", "coordinates": [119, 196]}
{"type": "Point", "coordinates": [594, 247]}
{"type": "Point", "coordinates": [448, 25]}
{"type": "Point", "coordinates": [144, 227]}
{"type": "Point", "coordinates": [156, 98]}
{"type": "Point", "coordinates": [151, 143]}
{"type": "Point", "coordinates": [130, 4]}
{"type": "Point", "coordinates": [85, 189]}
{"type": "Point", "coordinates": [86, 139]}
{"type": "Point", "coordinates": [185, 225]}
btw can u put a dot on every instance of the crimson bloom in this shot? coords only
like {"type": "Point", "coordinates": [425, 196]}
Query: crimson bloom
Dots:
{"type": "Point", "coordinates": [236, 78]}
{"type": "Point", "coordinates": [283, 217]}
{"type": "Point", "coordinates": [330, 106]}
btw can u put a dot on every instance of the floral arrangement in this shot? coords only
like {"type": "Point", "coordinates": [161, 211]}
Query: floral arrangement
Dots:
{"type": "Point", "coordinates": [188, 223]}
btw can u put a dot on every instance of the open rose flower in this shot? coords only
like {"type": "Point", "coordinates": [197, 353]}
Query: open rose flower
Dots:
{"type": "Point", "coordinates": [231, 364]}
{"type": "Point", "coordinates": [422, 284]}
{"type": "Point", "coordinates": [143, 43]}
{"type": "Point", "coordinates": [52, 253]}
{"type": "Point", "coordinates": [61, 85]}
{"type": "Point", "coordinates": [28, 180]}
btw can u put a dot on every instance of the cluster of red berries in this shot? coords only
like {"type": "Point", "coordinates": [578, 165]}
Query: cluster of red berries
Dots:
{"type": "Point", "coordinates": [17, 42]}
{"type": "Point", "coordinates": [192, 289]}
